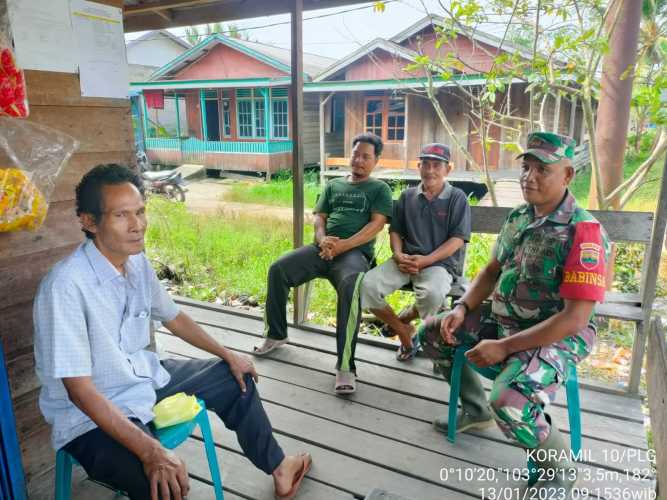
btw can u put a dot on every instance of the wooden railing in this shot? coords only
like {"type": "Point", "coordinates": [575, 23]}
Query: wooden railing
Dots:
{"type": "Point", "coordinates": [197, 146]}
{"type": "Point", "coordinates": [656, 379]}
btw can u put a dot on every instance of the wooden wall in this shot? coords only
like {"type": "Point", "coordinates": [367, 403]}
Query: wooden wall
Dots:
{"type": "Point", "coordinates": [223, 62]}
{"type": "Point", "coordinates": [311, 128]}
{"type": "Point", "coordinates": [104, 129]}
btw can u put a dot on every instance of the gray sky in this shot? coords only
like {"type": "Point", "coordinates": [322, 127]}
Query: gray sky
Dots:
{"type": "Point", "coordinates": [342, 31]}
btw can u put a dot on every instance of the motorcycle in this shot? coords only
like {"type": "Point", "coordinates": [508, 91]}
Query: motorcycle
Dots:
{"type": "Point", "coordinates": [168, 183]}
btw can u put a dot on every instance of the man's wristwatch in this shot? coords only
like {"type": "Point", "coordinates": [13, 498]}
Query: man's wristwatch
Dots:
{"type": "Point", "coordinates": [462, 302]}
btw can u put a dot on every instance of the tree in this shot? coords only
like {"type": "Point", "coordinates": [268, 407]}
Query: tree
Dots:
{"type": "Point", "coordinates": [195, 34]}
{"type": "Point", "coordinates": [613, 116]}
{"type": "Point", "coordinates": [569, 42]}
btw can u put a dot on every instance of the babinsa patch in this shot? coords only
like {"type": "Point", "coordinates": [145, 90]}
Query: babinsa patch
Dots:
{"type": "Point", "coordinates": [589, 255]}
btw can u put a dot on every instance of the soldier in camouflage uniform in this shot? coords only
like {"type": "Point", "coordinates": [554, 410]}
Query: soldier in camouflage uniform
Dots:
{"type": "Point", "coordinates": [546, 273]}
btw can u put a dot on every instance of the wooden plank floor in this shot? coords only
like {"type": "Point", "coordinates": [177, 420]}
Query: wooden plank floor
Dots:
{"type": "Point", "coordinates": [382, 435]}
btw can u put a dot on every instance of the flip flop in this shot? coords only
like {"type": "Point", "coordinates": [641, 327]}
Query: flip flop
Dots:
{"type": "Point", "coordinates": [407, 353]}
{"type": "Point", "coordinates": [268, 346]}
{"type": "Point", "coordinates": [346, 382]}
{"type": "Point", "coordinates": [298, 477]}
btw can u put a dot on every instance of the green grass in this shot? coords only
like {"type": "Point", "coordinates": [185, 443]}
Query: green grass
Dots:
{"type": "Point", "coordinates": [212, 254]}
{"type": "Point", "coordinates": [222, 258]}
{"type": "Point", "coordinates": [277, 192]}
{"type": "Point", "coordinates": [644, 199]}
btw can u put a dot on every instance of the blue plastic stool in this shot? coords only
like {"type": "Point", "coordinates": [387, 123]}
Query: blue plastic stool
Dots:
{"type": "Point", "coordinates": [571, 391]}
{"type": "Point", "coordinates": [170, 437]}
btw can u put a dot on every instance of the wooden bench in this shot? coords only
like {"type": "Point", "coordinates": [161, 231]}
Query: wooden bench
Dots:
{"type": "Point", "coordinates": [622, 227]}
{"type": "Point", "coordinates": [382, 162]}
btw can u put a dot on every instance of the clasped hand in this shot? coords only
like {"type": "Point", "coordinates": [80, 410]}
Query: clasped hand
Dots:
{"type": "Point", "coordinates": [330, 247]}
{"type": "Point", "coordinates": [410, 264]}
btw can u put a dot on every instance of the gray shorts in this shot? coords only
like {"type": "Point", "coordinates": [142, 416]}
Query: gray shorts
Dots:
{"type": "Point", "coordinates": [431, 286]}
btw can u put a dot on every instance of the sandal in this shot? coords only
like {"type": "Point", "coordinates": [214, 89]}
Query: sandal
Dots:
{"type": "Point", "coordinates": [406, 353]}
{"type": "Point", "coordinates": [298, 478]}
{"type": "Point", "coordinates": [268, 346]}
{"type": "Point", "coordinates": [346, 382]}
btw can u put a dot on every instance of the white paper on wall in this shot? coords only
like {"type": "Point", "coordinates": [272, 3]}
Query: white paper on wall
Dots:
{"type": "Point", "coordinates": [98, 30]}
{"type": "Point", "coordinates": [43, 35]}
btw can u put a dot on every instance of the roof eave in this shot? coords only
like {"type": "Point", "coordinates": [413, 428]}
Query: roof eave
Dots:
{"type": "Point", "coordinates": [377, 43]}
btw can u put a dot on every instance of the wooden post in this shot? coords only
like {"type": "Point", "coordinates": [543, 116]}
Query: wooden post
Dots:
{"type": "Point", "coordinates": [296, 87]}
{"type": "Point", "coordinates": [178, 118]}
{"type": "Point", "coordinates": [267, 118]}
{"type": "Point", "coordinates": [323, 145]}
{"type": "Point", "coordinates": [406, 159]}
{"type": "Point", "coordinates": [650, 276]}
{"type": "Point", "coordinates": [573, 116]}
{"type": "Point", "coordinates": [202, 105]}
{"type": "Point", "coordinates": [144, 115]}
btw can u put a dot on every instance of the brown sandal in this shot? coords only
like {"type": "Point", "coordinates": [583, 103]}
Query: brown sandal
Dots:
{"type": "Point", "coordinates": [307, 461]}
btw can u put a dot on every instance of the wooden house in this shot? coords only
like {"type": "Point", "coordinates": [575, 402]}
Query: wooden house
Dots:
{"type": "Point", "coordinates": [371, 90]}
{"type": "Point", "coordinates": [233, 99]}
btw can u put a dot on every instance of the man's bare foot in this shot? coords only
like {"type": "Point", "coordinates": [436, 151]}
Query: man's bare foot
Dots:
{"type": "Point", "coordinates": [289, 474]}
{"type": "Point", "coordinates": [405, 334]}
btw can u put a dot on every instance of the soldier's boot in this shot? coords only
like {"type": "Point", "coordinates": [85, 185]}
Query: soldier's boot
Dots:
{"type": "Point", "coordinates": [559, 474]}
{"type": "Point", "coordinates": [475, 412]}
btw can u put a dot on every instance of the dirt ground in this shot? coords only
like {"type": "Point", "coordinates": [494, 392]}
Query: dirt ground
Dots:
{"type": "Point", "coordinates": [207, 196]}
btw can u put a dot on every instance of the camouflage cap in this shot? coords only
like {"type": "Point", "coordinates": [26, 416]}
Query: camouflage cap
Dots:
{"type": "Point", "coordinates": [548, 147]}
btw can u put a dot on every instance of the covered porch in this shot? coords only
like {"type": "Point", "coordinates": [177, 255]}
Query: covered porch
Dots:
{"type": "Point", "coordinates": [382, 435]}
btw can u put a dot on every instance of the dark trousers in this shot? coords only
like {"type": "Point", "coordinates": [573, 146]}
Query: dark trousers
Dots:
{"type": "Point", "coordinates": [344, 272]}
{"type": "Point", "coordinates": [107, 461]}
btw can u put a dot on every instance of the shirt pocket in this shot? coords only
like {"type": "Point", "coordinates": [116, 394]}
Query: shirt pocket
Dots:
{"type": "Point", "coordinates": [135, 331]}
{"type": "Point", "coordinates": [541, 261]}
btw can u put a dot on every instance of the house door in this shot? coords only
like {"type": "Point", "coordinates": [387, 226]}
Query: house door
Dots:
{"type": "Point", "coordinates": [212, 120]}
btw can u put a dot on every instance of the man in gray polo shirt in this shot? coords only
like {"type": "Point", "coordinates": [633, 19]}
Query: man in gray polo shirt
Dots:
{"type": "Point", "coordinates": [430, 225]}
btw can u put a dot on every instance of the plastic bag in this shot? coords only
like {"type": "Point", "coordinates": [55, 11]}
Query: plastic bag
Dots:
{"type": "Point", "coordinates": [175, 409]}
{"type": "Point", "coordinates": [13, 96]}
{"type": "Point", "coordinates": [35, 154]}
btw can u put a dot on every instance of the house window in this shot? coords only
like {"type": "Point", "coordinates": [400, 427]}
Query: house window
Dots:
{"type": "Point", "coordinates": [226, 117]}
{"type": "Point", "coordinates": [396, 119]}
{"type": "Point", "coordinates": [245, 117]}
{"type": "Point", "coordinates": [250, 111]}
{"type": "Point", "coordinates": [279, 118]}
{"type": "Point", "coordinates": [385, 117]}
{"type": "Point", "coordinates": [374, 116]}
{"type": "Point", "coordinates": [260, 130]}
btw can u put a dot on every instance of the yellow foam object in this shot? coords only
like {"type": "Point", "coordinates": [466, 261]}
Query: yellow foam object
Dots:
{"type": "Point", "coordinates": [175, 409]}
{"type": "Point", "coordinates": [22, 204]}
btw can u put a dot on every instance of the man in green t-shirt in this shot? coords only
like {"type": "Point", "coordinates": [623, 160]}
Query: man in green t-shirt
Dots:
{"type": "Point", "coordinates": [351, 211]}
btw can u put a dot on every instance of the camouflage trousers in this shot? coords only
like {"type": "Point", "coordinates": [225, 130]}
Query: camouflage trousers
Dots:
{"type": "Point", "coordinates": [525, 383]}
